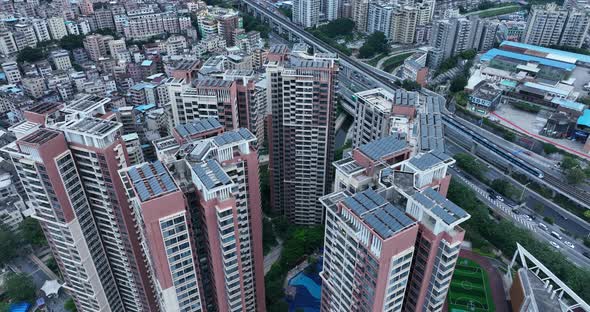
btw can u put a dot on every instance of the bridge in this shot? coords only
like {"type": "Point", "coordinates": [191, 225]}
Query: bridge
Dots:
{"type": "Point", "coordinates": [283, 25]}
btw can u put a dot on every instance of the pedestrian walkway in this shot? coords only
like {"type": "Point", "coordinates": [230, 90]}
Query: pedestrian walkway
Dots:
{"type": "Point", "coordinates": [495, 203]}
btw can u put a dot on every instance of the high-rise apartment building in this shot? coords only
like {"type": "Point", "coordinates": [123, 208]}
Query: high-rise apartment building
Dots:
{"type": "Point", "coordinates": [380, 113]}
{"type": "Point", "coordinates": [360, 11]}
{"type": "Point", "coordinates": [92, 152]}
{"type": "Point", "coordinates": [453, 36]}
{"type": "Point", "coordinates": [392, 238]}
{"type": "Point", "coordinates": [97, 46]}
{"type": "Point", "coordinates": [403, 24]}
{"type": "Point", "coordinates": [226, 191]}
{"type": "Point", "coordinates": [41, 30]}
{"type": "Point", "coordinates": [551, 25]}
{"type": "Point", "coordinates": [306, 12]}
{"type": "Point", "coordinates": [301, 94]}
{"type": "Point", "coordinates": [164, 223]}
{"type": "Point", "coordinates": [57, 27]}
{"type": "Point", "coordinates": [48, 172]}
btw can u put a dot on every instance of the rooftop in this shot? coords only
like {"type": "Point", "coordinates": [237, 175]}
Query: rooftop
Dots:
{"type": "Point", "coordinates": [203, 125]}
{"type": "Point", "coordinates": [348, 165]}
{"type": "Point", "coordinates": [584, 120]}
{"type": "Point", "coordinates": [383, 147]}
{"type": "Point", "coordinates": [576, 56]}
{"type": "Point", "coordinates": [40, 136]}
{"type": "Point", "coordinates": [211, 174]}
{"type": "Point", "coordinates": [151, 180]}
{"type": "Point", "coordinates": [429, 160]}
{"type": "Point", "coordinates": [43, 108]}
{"type": "Point", "coordinates": [568, 104]}
{"type": "Point", "coordinates": [233, 136]}
{"type": "Point", "coordinates": [488, 56]}
{"type": "Point", "coordinates": [210, 82]}
{"type": "Point", "coordinates": [379, 214]}
{"type": "Point", "coordinates": [94, 126]}
{"type": "Point", "coordinates": [443, 208]}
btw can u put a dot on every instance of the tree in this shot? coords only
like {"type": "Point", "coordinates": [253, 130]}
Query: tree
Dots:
{"type": "Point", "coordinates": [503, 187]}
{"type": "Point", "coordinates": [4, 307]}
{"type": "Point", "coordinates": [71, 42]}
{"type": "Point", "coordinates": [32, 233]}
{"type": "Point", "coordinates": [374, 44]}
{"type": "Point", "coordinates": [549, 148]}
{"type": "Point", "coordinates": [19, 287]}
{"type": "Point", "coordinates": [30, 55]}
{"type": "Point", "coordinates": [468, 54]}
{"type": "Point", "coordinates": [338, 27]}
{"type": "Point", "coordinates": [575, 176]}
{"type": "Point", "coordinates": [9, 244]}
{"type": "Point", "coordinates": [411, 85]}
{"type": "Point", "coordinates": [458, 84]}
{"type": "Point", "coordinates": [549, 220]}
{"type": "Point", "coordinates": [568, 162]}
{"type": "Point", "coordinates": [470, 165]}
{"type": "Point", "coordinates": [70, 305]}
{"type": "Point", "coordinates": [286, 10]}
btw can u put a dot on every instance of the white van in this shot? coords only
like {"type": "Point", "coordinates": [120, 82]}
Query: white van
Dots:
{"type": "Point", "coordinates": [556, 235]}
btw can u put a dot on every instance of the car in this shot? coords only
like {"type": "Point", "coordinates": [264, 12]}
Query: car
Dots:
{"type": "Point", "coordinates": [556, 235]}
{"type": "Point", "coordinates": [498, 197]}
{"type": "Point", "coordinates": [554, 244]}
{"type": "Point", "coordinates": [532, 216]}
{"type": "Point", "coordinates": [543, 226]}
{"type": "Point", "coordinates": [569, 244]}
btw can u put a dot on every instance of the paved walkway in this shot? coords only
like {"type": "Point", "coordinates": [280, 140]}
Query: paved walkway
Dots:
{"type": "Point", "coordinates": [495, 279]}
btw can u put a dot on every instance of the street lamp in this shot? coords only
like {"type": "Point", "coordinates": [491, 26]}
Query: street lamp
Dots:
{"type": "Point", "coordinates": [523, 189]}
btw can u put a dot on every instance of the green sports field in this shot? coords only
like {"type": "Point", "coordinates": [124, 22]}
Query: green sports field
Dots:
{"type": "Point", "coordinates": [470, 288]}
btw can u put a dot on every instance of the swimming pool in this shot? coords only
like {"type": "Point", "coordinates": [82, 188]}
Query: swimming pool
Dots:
{"type": "Point", "coordinates": [308, 291]}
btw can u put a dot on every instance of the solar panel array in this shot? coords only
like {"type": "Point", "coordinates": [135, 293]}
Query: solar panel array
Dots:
{"type": "Point", "coordinates": [203, 125]}
{"type": "Point", "coordinates": [233, 136]}
{"type": "Point", "coordinates": [377, 213]}
{"type": "Point", "coordinates": [151, 180]}
{"type": "Point", "coordinates": [431, 132]}
{"type": "Point", "coordinates": [211, 174]}
{"type": "Point", "coordinates": [428, 160]}
{"type": "Point", "coordinates": [382, 147]}
{"type": "Point", "coordinates": [443, 208]}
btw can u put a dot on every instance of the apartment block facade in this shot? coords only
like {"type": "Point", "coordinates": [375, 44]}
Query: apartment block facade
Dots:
{"type": "Point", "coordinates": [552, 25]}
{"type": "Point", "coordinates": [392, 238]}
{"type": "Point", "coordinates": [301, 94]}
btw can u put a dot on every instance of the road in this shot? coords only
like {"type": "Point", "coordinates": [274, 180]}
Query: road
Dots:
{"type": "Point", "coordinates": [508, 154]}
{"type": "Point", "coordinates": [509, 210]}
{"type": "Point", "coordinates": [273, 256]}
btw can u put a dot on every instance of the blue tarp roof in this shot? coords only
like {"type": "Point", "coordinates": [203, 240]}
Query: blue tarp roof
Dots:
{"type": "Point", "coordinates": [526, 58]}
{"type": "Point", "coordinates": [584, 120]}
{"type": "Point", "coordinates": [580, 57]}
{"type": "Point", "coordinates": [144, 107]}
{"type": "Point", "coordinates": [569, 104]}
{"type": "Point", "coordinates": [20, 307]}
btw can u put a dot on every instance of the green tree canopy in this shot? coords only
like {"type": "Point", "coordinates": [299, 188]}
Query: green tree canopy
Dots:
{"type": "Point", "coordinates": [30, 55]}
{"type": "Point", "coordinates": [71, 42]}
{"type": "Point", "coordinates": [470, 165]}
{"type": "Point", "coordinates": [549, 148]}
{"type": "Point", "coordinates": [575, 176]}
{"type": "Point", "coordinates": [338, 27]}
{"type": "Point", "coordinates": [374, 44]}
{"type": "Point", "coordinates": [568, 162]}
{"type": "Point", "coordinates": [458, 84]}
{"type": "Point", "coordinates": [19, 287]}
{"type": "Point", "coordinates": [9, 244]}
{"type": "Point", "coordinates": [503, 187]}
{"type": "Point", "coordinates": [32, 233]}
{"type": "Point", "coordinates": [70, 305]}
